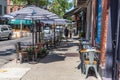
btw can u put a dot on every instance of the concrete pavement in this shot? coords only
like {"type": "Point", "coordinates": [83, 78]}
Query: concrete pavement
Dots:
{"type": "Point", "coordinates": [60, 64]}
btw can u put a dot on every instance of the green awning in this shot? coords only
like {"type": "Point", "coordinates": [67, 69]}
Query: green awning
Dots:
{"type": "Point", "coordinates": [18, 22]}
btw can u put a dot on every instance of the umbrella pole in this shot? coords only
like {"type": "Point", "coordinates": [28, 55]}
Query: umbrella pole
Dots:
{"type": "Point", "coordinates": [36, 34]}
{"type": "Point", "coordinates": [54, 35]}
{"type": "Point", "coordinates": [33, 41]}
{"type": "Point", "coordinates": [20, 28]}
{"type": "Point", "coordinates": [39, 33]}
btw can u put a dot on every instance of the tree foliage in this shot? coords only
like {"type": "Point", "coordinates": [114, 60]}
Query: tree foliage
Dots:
{"type": "Point", "coordinates": [41, 3]}
{"type": "Point", "coordinates": [18, 2]}
{"type": "Point", "coordinates": [58, 7]}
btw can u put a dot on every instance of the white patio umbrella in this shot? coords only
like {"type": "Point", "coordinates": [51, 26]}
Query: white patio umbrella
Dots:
{"type": "Point", "coordinates": [8, 16]}
{"type": "Point", "coordinates": [47, 21]}
{"type": "Point", "coordinates": [35, 11]}
{"type": "Point", "coordinates": [61, 21]}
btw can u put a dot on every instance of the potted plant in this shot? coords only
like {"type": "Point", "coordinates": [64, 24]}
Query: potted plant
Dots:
{"type": "Point", "coordinates": [43, 52]}
{"type": "Point", "coordinates": [31, 52]}
{"type": "Point", "coordinates": [81, 35]}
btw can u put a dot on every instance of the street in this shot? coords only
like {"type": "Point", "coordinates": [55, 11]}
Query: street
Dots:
{"type": "Point", "coordinates": [7, 49]}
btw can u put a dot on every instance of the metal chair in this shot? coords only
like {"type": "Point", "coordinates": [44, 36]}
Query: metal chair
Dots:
{"type": "Point", "coordinates": [91, 62]}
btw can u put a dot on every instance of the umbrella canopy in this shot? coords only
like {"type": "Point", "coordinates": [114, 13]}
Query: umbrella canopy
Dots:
{"type": "Point", "coordinates": [61, 21]}
{"type": "Point", "coordinates": [47, 21]}
{"type": "Point", "coordinates": [56, 21]}
{"type": "Point", "coordinates": [32, 11]}
{"type": "Point", "coordinates": [17, 22]}
{"type": "Point", "coordinates": [8, 16]}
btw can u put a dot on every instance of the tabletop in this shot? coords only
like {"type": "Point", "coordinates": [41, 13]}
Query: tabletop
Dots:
{"type": "Point", "coordinates": [88, 50]}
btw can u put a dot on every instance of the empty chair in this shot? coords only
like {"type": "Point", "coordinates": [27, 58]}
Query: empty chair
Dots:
{"type": "Point", "coordinates": [91, 62]}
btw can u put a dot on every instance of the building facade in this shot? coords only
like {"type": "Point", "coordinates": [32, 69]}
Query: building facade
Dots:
{"type": "Point", "coordinates": [3, 7]}
{"type": "Point", "coordinates": [103, 30]}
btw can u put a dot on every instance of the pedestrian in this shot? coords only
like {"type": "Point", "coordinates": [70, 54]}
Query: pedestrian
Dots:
{"type": "Point", "coordinates": [70, 34]}
{"type": "Point", "coordinates": [66, 31]}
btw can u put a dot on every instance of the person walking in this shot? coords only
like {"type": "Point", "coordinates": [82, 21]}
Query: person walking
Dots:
{"type": "Point", "coordinates": [66, 31]}
{"type": "Point", "coordinates": [70, 34]}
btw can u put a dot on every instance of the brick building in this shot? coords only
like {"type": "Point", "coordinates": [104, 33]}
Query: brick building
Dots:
{"type": "Point", "coordinates": [15, 7]}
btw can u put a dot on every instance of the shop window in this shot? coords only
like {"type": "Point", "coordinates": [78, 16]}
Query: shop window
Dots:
{"type": "Point", "coordinates": [19, 8]}
{"type": "Point", "coordinates": [0, 9]}
{"type": "Point", "coordinates": [5, 9]}
{"type": "Point", "coordinates": [11, 10]}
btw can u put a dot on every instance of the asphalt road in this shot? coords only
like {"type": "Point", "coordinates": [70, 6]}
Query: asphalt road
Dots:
{"type": "Point", "coordinates": [7, 49]}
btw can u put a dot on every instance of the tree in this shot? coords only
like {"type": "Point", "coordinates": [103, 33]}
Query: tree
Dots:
{"type": "Point", "coordinates": [41, 3]}
{"type": "Point", "coordinates": [59, 7]}
{"type": "Point", "coordinates": [17, 2]}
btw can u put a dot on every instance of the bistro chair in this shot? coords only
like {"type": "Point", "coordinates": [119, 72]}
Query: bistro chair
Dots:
{"type": "Point", "coordinates": [91, 62]}
{"type": "Point", "coordinates": [21, 53]}
{"type": "Point", "coordinates": [83, 57]}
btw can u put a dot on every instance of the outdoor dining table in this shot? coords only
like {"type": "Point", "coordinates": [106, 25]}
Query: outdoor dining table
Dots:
{"type": "Point", "coordinates": [83, 56]}
{"type": "Point", "coordinates": [87, 50]}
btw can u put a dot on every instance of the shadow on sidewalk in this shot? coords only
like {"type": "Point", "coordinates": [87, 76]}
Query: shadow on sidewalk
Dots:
{"type": "Point", "coordinates": [52, 58]}
{"type": "Point", "coordinates": [7, 52]}
{"type": "Point", "coordinates": [67, 45]}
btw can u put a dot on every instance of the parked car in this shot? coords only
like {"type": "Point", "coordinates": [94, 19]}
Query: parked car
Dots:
{"type": "Point", "coordinates": [47, 30]}
{"type": "Point", "coordinates": [6, 32]}
{"type": "Point", "coordinates": [59, 29]}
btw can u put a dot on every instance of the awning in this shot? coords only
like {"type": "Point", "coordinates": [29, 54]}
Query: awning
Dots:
{"type": "Point", "coordinates": [82, 3]}
{"type": "Point", "coordinates": [70, 13]}
{"type": "Point", "coordinates": [74, 11]}
{"type": "Point", "coordinates": [18, 22]}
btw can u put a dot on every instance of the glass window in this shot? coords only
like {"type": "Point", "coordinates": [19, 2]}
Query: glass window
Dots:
{"type": "Point", "coordinates": [4, 29]}
{"type": "Point", "coordinates": [0, 9]}
{"type": "Point", "coordinates": [5, 9]}
{"type": "Point", "coordinates": [11, 10]}
{"type": "Point", "coordinates": [19, 8]}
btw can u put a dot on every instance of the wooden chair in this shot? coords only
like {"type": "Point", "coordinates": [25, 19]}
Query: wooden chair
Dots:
{"type": "Point", "coordinates": [23, 55]}
{"type": "Point", "coordinates": [37, 50]}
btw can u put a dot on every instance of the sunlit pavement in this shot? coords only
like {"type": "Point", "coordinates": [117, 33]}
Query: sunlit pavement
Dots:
{"type": "Point", "coordinates": [60, 64]}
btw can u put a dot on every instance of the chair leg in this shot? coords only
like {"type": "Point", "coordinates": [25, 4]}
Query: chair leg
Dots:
{"type": "Point", "coordinates": [96, 73]}
{"type": "Point", "coordinates": [84, 69]}
{"type": "Point", "coordinates": [86, 72]}
{"type": "Point", "coordinates": [21, 59]}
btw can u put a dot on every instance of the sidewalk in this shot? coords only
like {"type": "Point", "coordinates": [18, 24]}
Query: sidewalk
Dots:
{"type": "Point", "coordinates": [60, 64]}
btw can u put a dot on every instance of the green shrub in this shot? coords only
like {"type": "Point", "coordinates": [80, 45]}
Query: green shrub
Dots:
{"type": "Point", "coordinates": [30, 50]}
{"type": "Point", "coordinates": [43, 50]}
